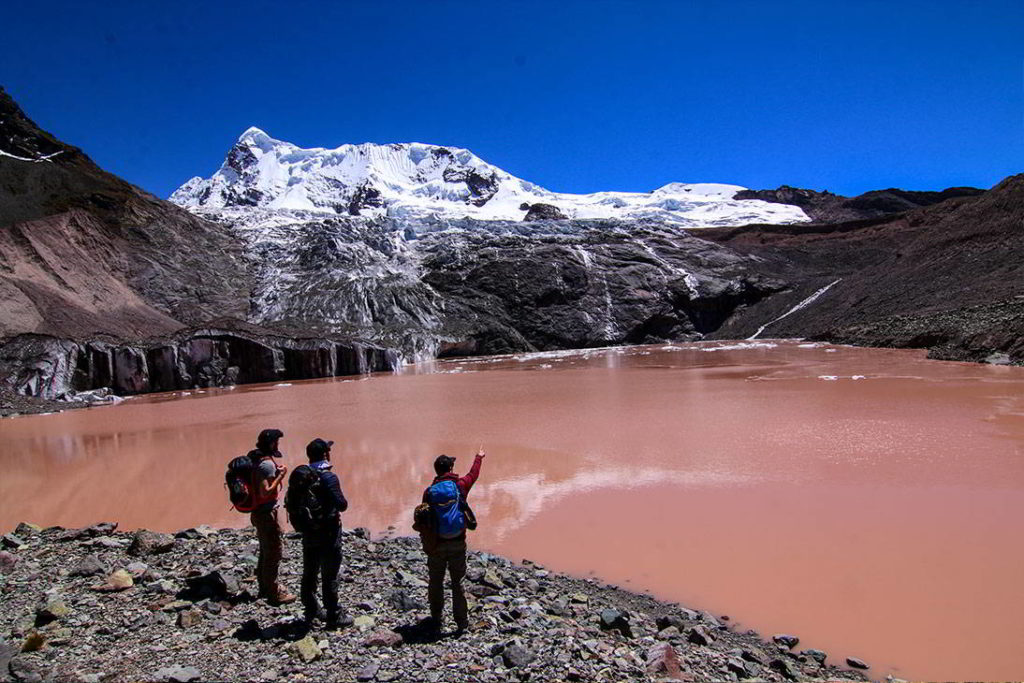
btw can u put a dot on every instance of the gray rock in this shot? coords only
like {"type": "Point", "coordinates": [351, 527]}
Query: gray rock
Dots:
{"type": "Point", "coordinates": [145, 543]}
{"type": "Point", "coordinates": [7, 562]}
{"type": "Point", "coordinates": [11, 541]}
{"type": "Point", "coordinates": [698, 635]}
{"type": "Point", "coordinates": [27, 530]}
{"type": "Point", "coordinates": [786, 640]}
{"type": "Point", "coordinates": [616, 620]}
{"type": "Point", "coordinates": [55, 609]}
{"type": "Point", "coordinates": [90, 565]}
{"type": "Point", "coordinates": [515, 656]}
{"type": "Point", "coordinates": [368, 672]}
{"type": "Point", "coordinates": [178, 674]}
{"type": "Point", "coordinates": [857, 663]}
{"type": "Point", "coordinates": [25, 670]}
{"type": "Point", "coordinates": [817, 655]}
{"type": "Point", "coordinates": [783, 667]}
{"type": "Point", "coordinates": [402, 602]}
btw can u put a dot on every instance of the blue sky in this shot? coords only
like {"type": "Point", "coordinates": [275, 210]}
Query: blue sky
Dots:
{"type": "Point", "coordinates": [575, 96]}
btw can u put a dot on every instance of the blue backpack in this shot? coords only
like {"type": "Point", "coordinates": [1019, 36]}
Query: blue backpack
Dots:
{"type": "Point", "coordinates": [445, 500]}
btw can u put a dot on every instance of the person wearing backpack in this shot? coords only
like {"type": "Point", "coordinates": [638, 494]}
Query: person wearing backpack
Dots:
{"type": "Point", "coordinates": [315, 503]}
{"type": "Point", "coordinates": [268, 479]}
{"type": "Point", "coordinates": [446, 497]}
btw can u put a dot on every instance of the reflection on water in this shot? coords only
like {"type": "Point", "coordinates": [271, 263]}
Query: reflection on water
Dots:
{"type": "Point", "coordinates": [868, 500]}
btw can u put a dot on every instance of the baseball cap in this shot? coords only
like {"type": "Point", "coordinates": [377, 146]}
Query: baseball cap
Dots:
{"type": "Point", "coordinates": [443, 463]}
{"type": "Point", "coordinates": [318, 447]}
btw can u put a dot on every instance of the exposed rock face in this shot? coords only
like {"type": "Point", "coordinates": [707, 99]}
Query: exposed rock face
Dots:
{"type": "Point", "coordinates": [60, 369]}
{"type": "Point", "coordinates": [825, 207]}
{"type": "Point", "coordinates": [946, 277]}
{"type": "Point", "coordinates": [543, 212]}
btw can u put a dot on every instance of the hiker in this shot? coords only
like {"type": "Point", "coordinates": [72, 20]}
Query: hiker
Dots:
{"type": "Point", "coordinates": [315, 503]}
{"type": "Point", "coordinates": [446, 497]}
{"type": "Point", "coordinates": [268, 480]}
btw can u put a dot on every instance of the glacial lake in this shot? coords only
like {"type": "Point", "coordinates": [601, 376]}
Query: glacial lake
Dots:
{"type": "Point", "coordinates": [869, 501]}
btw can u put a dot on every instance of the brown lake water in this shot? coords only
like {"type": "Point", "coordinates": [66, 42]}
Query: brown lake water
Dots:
{"type": "Point", "coordinates": [869, 501]}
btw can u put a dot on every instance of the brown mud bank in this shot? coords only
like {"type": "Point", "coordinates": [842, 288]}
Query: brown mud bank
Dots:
{"type": "Point", "coordinates": [95, 604]}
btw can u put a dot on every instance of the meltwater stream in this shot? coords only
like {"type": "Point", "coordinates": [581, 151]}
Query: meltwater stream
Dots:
{"type": "Point", "coordinates": [869, 501]}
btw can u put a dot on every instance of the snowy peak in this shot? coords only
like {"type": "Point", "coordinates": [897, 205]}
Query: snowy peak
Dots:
{"type": "Point", "coordinates": [416, 180]}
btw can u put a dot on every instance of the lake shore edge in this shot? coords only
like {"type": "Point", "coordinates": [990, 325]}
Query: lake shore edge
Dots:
{"type": "Point", "coordinates": [97, 603]}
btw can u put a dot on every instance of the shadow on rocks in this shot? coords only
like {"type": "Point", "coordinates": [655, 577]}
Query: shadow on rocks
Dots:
{"type": "Point", "coordinates": [289, 629]}
{"type": "Point", "coordinates": [424, 631]}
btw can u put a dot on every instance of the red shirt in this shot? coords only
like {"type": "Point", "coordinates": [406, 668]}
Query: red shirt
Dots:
{"type": "Point", "coordinates": [464, 483]}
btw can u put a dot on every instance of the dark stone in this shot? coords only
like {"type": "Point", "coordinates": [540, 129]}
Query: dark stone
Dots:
{"type": "Point", "coordinates": [783, 667]}
{"type": "Point", "coordinates": [616, 620]}
{"type": "Point", "coordinates": [857, 663]}
{"type": "Point", "coordinates": [403, 602]}
{"type": "Point", "coordinates": [7, 562]}
{"type": "Point", "coordinates": [11, 541]}
{"type": "Point", "coordinates": [544, 212]}
{"type": "Point", "coordinates": [817, 655]}
{"type": "Point", "coordinates": [215, 585]}
{"type": "Point", "coordinates": [25, 670]}
{"type": "Point", "coordinates": [786, 640]}
{"type": "Point", "coordinates": [368, 672]}
{"type": "Point", "coordinates": [515, 656]}
{"type": "Point", "coordinates": [698, 635]}
{"type": "Point", "coordinates": [146, 543]}
{"type": "Point", "coordinates": [662, 660]}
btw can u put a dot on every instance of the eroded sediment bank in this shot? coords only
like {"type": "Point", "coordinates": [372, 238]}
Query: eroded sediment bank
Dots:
{"type": "Point", "coordinates": [96, 604]}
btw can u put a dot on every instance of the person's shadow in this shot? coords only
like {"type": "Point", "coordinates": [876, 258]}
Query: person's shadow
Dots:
{"type": "Point", "coordinates": [287, 629]}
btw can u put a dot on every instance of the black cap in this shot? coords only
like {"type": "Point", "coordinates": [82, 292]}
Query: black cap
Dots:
{"type": "Point", "coordinates": [317, 448]}
{"type": "Point", "coordinates": [444, 463]}
{"type": "Point", "coordinates": [267, 437]}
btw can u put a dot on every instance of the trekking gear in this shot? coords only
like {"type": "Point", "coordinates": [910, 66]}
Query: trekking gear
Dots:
{"type": "Point", "coordinates": [240, 480]}
{"type": "Point", "coordinates": [305, 500]}
{"type": "Point", "coordinates": [445, 499]}
{"type": "Point", "coordinates": [468, 514]}
{"type": "Point", "coordinates": [425, 521]}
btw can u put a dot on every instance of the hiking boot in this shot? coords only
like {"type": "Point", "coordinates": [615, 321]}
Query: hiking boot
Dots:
{"type": "Point", "coordinates": [282, 597]}
{"type": "Point", "coordinates": [320, 615]}
{"type": "Point", "coordinates": [341, 621]}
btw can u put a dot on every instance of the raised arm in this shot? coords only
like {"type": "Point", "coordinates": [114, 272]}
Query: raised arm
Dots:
{"type": "Point", "coordinates": [467, 481]}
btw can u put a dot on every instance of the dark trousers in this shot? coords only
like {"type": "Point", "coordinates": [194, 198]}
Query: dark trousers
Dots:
{"type": "Point", "coordinates": [321, 556]}
{"type": "Point", "coordinates": [449, 556]}
{"type": "Point", "coordinates": [268, 531]}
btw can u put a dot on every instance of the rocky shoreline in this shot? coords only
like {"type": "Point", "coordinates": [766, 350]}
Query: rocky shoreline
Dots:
{"type": "Point", "coordinates": [97, 604]}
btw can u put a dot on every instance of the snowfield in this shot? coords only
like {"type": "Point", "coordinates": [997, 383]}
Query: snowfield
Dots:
{"type": "Point", "coordinates": [415, 180]}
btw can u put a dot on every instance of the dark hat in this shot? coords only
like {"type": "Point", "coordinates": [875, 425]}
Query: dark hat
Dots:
{"type": "Point", "coordinates": [317, 448]}
{"type": "Point", "coordinates": [267, 437]}
{"type": "Point", "coordinates": [444, 463]}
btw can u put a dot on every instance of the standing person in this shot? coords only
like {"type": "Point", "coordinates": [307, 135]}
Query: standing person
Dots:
{"type": "Point", "coordinates": [315, 503]}
{"type": "Point", "coordinates": [446, 496]}
{"type": "Point", "coordinates": [268, 480]}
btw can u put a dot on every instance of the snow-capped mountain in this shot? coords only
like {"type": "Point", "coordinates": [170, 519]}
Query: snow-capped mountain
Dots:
{"type": "Point", "coordinates": [415, 180]}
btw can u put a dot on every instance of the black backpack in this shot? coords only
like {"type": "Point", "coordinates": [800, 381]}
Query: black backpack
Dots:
{"type": "Point", "coordinates": [239, 480]}
{"type": "Point", "coordinates": [305, 500]}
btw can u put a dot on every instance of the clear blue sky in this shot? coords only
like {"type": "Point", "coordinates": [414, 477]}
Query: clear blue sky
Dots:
{"type": "Point", "coordinates": [576, 96]}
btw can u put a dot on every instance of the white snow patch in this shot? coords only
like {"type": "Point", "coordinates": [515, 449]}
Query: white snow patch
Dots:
{"type": "Point", "coordinates": [803, 304]}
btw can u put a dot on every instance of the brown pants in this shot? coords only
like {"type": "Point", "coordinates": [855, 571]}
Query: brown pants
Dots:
{"type": "Point", "coordinates": [450, 556]}
{"type": "Point", "coordinates": [268, 531]}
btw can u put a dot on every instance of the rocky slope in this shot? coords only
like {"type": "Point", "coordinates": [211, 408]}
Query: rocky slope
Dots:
{"type": "Point", "coordinates": [97, 604]}
{"type": "Point", "coordinates": [947, 277]}
{"type": "Point", "coordinates": [825, 207]}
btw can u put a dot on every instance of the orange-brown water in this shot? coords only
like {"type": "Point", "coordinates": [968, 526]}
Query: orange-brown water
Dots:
{"type": "Point", "coordinates": [877, 517]}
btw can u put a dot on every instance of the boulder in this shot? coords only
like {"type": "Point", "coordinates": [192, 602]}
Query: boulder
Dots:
{"type": "Point", "coordinates": [616, 620]}
{"type": "Point", "coordinates": [215, 585]}
{"type": "Point", "coordinates": [368, 672]}
{"type": "Point", "coordinates": [698, 635]}
{"type": "Point", "coordinates": [307, 649]}
{"type": "Point", "coordinates": [515, 656]}
{"type": "Point", "coordinates": [11, 541]}
{"type": "Point", "coordinates": [146, 543]}
{"type": "Point", "coordinates": [403, 602]}
{"type": "Point", "coordinates": [662, 660]}
{"type": "Point", "coordinates": [27, 530]}
{"type": "Point", "coordinates": [786, 640]}
{"type": "Point", "coordinates": [856, 663]}
{"type": "Point", "coordinates": [383, 639]}
{"type": "Point", "coordinates": [817, 655]}
{"type": "Point", "coordinates": [53, 610]}
{"type": "Point", "coordinates": [118, 581]}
